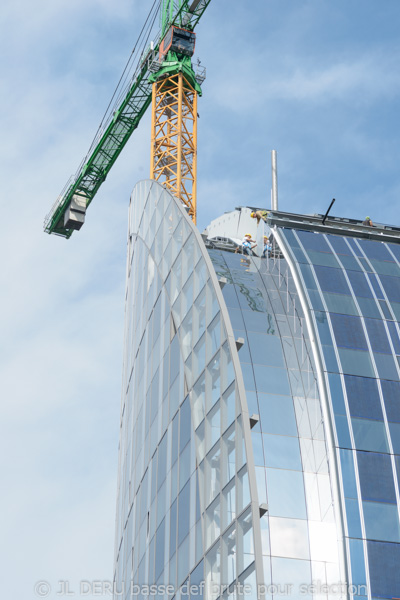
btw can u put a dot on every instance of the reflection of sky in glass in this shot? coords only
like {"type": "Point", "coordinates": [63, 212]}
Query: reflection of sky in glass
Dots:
{"type": "Point", "coordinates": [354, 284]}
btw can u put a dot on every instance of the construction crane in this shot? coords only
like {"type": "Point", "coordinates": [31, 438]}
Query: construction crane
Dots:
{"type": "Point", "coordinates": [163, 76]}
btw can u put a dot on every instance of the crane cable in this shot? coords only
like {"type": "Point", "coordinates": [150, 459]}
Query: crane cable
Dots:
{"type": "Point", "coordinates": [123, 73]}
{"type": "Point", "coordinates": [145, 43]}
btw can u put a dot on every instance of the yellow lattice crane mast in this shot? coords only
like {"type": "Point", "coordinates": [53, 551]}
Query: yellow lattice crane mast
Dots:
{"type": "Point", "coordinates": [174, 116]}
{"type": "Point", "coordinates": [174, 138]}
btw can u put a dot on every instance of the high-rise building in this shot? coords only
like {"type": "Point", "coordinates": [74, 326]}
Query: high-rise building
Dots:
{"type": "Point", "coordinates": [260, 421]}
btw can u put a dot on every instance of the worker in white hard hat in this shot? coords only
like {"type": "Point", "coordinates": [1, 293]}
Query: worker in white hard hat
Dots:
{"type": "Point", "coordinates": [267, 247]}
{"type": "Point", "coordinates": [248, 244]}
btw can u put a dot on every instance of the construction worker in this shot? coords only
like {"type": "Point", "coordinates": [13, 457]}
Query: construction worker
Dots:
{"type": "Point", "coordinates": [259, 214]}
{"type": "Point", "coordinates": [367, 222]}
{"type": "Point", "coordinates": [267, 247]}
{"type": "Point", "coordinates": [248, 244]}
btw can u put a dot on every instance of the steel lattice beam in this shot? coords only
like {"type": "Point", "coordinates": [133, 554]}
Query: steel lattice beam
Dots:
{"type": "Point", "coordinates": [174, 138]}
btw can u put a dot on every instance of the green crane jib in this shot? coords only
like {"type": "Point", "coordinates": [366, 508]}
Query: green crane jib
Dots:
{"type": "Point", "coordinates": [68, 212]}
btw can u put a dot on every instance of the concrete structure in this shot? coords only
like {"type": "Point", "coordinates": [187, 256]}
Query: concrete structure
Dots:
{"type": "Point", "coordinates": [260, 420]}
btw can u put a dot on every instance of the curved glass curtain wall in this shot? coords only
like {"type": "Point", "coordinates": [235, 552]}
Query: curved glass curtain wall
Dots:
{"type": "Point", "coordinates": [300, 540]}
{"type": "Point", "coordinates": [183, 510]}
{"type": "Point", "coordinates": [353, 289]}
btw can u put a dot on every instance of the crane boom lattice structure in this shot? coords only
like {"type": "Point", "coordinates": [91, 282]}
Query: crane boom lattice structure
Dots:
{"type": "Point", "coordinates": [157, 63]}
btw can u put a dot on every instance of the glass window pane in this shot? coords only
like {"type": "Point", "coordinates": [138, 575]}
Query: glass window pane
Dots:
{"type": "Point", "coordinates": [185, 425]}
{"type": "Point", "coordinates": [183, 513]}
{"type": "Point", "coordinates": [353, 518]}
{"type": "Point", "coordinates": [369, 308]}
{"type": "Point", "coordinates": [348, 332]}
{"type": "Point", "coordinates": [340, 303]}
{"type": "Point", "coordinates": [391, 396]}
{"type": "Point", "coordinates": [376, 477]}
{"type": "Point", "coordinates": [313, 241]}
{"type": "Point", "coordinates": [391, 285]}
{"type": "Point", "coordinates": [378, 336]}
{"type": "Point", "coordinates": [359, 283]}
{"type": "Point", "coordinates": [369, 435]}
{"type": "Point", "coordinates": [282, 452]}
{"type": "Point", "coordinates": [277, 414]}
{"type": "Point", "coordinates": [288, 572]}
{"type": "Point", "coordinates": [394, 429]}
{"type": "Point", "coordinates": [386, 366]}
{"type": "Point", "coordinates": [271, 380]}
{"type": "Point", "coordinates": [336, 391]}
{"type": "Point", "coordinates": [363, 397]}
{"type": "Point", "coordinates": [356, 362]}
{"type": "Point", "coordinates": [332, 280]}
{"type": "Point", "coordinates": [348, 473]}
{"type": "Point", "coordinates": [381, 521]}
{"type": "Point", "coordinates": [212, 522]}
{"type": "Point", "coordinates": [243, 491]}
{"type": "Point", "coordinates": [394, 336]}
{"type": "Point", "coordinates": [266, 349]}
{"type": "Point", "coordinates": [384, 561]}
{"type": "Point", "coordinates": [213, 337]}
{"type": "Point", "coordinates": [289, 538]}
{"type": "Point", "coordinates": [258, 451]}
{"type": "Point", "coordinates": [286, 494]}
{"type": "Point", "coordinates": [357, 562]}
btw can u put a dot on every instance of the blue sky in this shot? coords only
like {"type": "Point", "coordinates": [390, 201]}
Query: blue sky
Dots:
{"type": "Point", "coordinates": [319, 81]}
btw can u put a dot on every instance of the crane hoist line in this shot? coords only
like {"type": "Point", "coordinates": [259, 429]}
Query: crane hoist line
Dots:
{"type": "Point", "coordinates": [164, 77]}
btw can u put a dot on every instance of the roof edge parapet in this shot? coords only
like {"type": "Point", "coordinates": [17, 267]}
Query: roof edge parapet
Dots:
{"type": "Point", "coordinates": [335, 226]}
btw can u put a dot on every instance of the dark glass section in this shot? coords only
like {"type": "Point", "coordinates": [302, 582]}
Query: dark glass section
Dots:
{"type": "Point", "coordinates": [384, 562]}
{"type": "Point", "coordinates": [378, 336]}
{"type": "Point", "coordinates": [331, 280]}
{"type": "Point", "coordinates": [354, 247]}
{"type": "Point", "coordinates": [376, 477]}
{"type": "Point", "coordinates": [348, 332]}
{"type": "Point", "coordinates": [359, 284]}
{"type": "Point", "coordinates": [363, 397]}
{"type": "Point", "coordinates": [395, 249]}
{"type": "Point", "coordinates": [391, 397]}
{"type": "Point", "coordinates": [295, 246]}
{"type": "Point", "coordinates": [366, 338]}
{"type": "Point", "coordinates": [394, 335]}
{"type": "Point", "coordinates": [397, 460]}
{"type": "Point", "coordinates": [308, 277]}
{"type": "Point", "coordinates": [339, 244]}
{"type": "Point", "coordinates": [375, 284]}
{"type": "Point", "coordinates": [391, 285]}
{"type": "Point", "coordinates": [312, 241]}
{"type": "Point", "coordinates": [375, 250]}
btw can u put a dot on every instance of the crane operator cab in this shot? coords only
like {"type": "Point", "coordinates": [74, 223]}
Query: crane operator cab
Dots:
{"type": "Point", "coordinates": [178, 40]}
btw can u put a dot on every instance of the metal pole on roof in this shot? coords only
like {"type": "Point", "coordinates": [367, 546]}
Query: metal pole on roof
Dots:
{"type": "Point", "coordinates": [274, 199]}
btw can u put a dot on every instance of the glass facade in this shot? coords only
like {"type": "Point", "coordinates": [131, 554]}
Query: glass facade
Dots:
{"type": "Point", "coordinates": [260, 419]}
{"type": "Point", "coordinates": [184, 513]}
{"type": "Point", "coordinates": [299, 533]}
{"type": "Point", "coordinates": [352, 289]}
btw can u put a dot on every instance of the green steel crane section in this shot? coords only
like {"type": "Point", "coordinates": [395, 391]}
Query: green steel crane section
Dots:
{"type": "Point", "coordinates": [95, 167]}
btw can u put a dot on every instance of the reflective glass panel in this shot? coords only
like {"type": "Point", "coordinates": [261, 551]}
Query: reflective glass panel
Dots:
{"type": "Point", "coordinates": [282, 452]}
{"type": "Point", "coordinates": [286, 494]}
